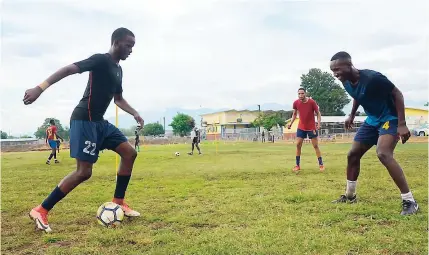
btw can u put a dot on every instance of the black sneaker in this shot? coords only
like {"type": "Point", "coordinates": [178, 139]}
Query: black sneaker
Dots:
{"type": "Point", "coordinates": [409, 207]}
{"type": "Point", "coordinates": [344, 199]}
{"type": "Point", "coordinates": [56, 161]}
{"type": "Point", "coordinates": [48, 162]}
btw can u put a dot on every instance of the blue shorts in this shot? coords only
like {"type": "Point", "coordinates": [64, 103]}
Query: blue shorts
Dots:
{"type": "Point", "coordinates": [52, 144]}
{"type": "Point", "coordinates": [87, 138]}
{"type": "Point", "coordinates": [304, 134]}
{"type": "Point", "coordinates": [368, 134]}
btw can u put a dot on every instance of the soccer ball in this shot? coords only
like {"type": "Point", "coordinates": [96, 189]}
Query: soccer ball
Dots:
{"type": "Point", "coordinates": [110, 214]}
{"type": "Point", "coordinates": [177, 153]}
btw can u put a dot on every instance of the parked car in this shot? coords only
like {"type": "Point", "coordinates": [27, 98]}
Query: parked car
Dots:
{"type": "Point", "coordinates": [422, 130]}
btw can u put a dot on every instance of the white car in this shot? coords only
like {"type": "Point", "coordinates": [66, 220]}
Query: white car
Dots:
{"type": "Point", "coordinates": [422, 130]}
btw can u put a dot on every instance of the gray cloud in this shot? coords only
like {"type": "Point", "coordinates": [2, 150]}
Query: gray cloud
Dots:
{"type": "Point", "coordinates": [218, 54]}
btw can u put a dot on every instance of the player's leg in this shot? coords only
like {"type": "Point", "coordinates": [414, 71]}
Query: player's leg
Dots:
{"type": "Point", "coordinates": [365, 138]}
{"type": "Point", "coordinates": [83, 140]}
{"type": "Point", "coordinates": [194, 142]}
{"type": "Point", "coordinates": [54, 150]}
{"type": "Point", "coordinates": [300, 136]}
{"type": "Point", "coordinates": [116, 141]}
{"type": "Point", "coordinates": [385, 147]}
{"type": "Point", "coordinates": [48, 161]}
{"type": "Point", "coordinates": [313, 135]}
{"type": "Point", "coordinates": [136, 146]}
{"type": "Point", "coordinates": [198, 147]}
{"type": "Point", "coordinates": [39, 214]}
{"type": "Point", "coordinates": [51, 155]}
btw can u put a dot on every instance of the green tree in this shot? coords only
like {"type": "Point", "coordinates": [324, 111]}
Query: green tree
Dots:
{"type": "Point", "coordinates": [427, 104]}
{"type": "Point", "coordinates": [182, 124]}
{"type": "Point", "coordinates": [153, 129]}
{"type": "Point", "coordinates": [63, 132]}
{"type": "Point", "coordinates": [330, 96]}
{"type": "Point", "coordinates": [282, 113]}
{"type": "Point", "coordinates": [3, 135]}
{"type": "Point", "coordinates": [127, 131]}
{"type": "Point", "coordinates": [268, 121]}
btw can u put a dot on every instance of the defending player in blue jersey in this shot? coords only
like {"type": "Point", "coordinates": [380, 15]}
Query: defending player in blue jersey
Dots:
{"type": "Point", "coordinates": [384, 127]}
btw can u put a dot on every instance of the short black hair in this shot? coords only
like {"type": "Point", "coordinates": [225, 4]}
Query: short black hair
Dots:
{"type": "Point", "coordinates": [301, 89]}
{"type": "Point", "coordinates": [52, 122]}
{"type": "Point", "coordinates": [120, 33]}
{"type": "Point", "coordinates": [341, 55]}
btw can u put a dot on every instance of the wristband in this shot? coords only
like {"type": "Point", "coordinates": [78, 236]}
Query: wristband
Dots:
{"type": "Point", "coordinates": [44, 85]}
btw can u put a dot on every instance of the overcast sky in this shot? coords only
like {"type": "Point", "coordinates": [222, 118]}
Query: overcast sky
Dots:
{"type": "Point", "coordinates": [238, 52]}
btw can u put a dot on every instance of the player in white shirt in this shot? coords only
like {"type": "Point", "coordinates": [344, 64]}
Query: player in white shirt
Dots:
{"type": "Point", "coordinates": [196, 139]}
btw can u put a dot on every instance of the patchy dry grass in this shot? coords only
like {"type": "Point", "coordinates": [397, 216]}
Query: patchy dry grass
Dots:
{"type": "Point", "coordinates": [243, 200]}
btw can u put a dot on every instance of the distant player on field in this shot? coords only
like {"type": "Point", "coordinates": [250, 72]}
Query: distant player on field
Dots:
{"type": "Point", "coordinates": [89, 132]}
{"type": "Point", "coordinates": [306, 108]}
{"type": "Point", "coordinates": [51, 139]}
{"type": "Point", "coordinates": [196, 139]}
{"type": "Point", "coordinates": [384, 126]}
{"type": "Point", "coordinates": [137, 141]}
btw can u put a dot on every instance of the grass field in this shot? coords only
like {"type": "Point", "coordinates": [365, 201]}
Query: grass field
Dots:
{"type": "Point", "coordinates": [244, 200]}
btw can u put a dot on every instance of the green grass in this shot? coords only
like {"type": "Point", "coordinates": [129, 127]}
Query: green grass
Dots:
{"type": "Point", "coordinates": [244, 200]}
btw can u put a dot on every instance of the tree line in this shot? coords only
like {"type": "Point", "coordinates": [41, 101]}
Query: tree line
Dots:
{"type": "Point", "coordinates": [320, 86]}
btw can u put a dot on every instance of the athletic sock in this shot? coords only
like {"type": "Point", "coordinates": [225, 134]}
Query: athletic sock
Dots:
{"type": "Point", "coordinates": [121, 186]}
{"type": "Point", "coordinates": [320, 161]}
{"type": "Point", "coordinates": [53, 198]}
{"type": "Point", "coordinates": [408, 196]}
{"type": "Point", "coordinates": [298, 159]}
{"type": "Point", "coordinates": [351, 189]}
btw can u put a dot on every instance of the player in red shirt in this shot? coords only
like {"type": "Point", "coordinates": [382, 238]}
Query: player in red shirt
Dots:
{"type": "Point", "coordinates": [51, 139]}
{"type": "Point", "coordinates": [306, 108]}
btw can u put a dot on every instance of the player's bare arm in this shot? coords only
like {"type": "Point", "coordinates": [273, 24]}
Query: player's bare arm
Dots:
{"type": "Point", "coordinates": [403, 131]}
{"type": "Point", "coordinates": [31, 95]}
{"type": "Point", "coordinates": [124, 105]}
{"type": "Point", "coordinates": [354, 108]}
{"type": "Point", "coordinates": [349, 121]}
{"type": "Point", "coordinates": [293, 118]}
{"type": "Point", "coordinates": [56, 134]}
{"type": "Point", "coordinates": [319, 118]}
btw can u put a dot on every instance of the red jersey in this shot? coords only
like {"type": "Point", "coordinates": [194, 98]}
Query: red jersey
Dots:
{"type": "Point", "coordinates": [51, 133]}
{"type": "Point", "coordinates": [306, 114]}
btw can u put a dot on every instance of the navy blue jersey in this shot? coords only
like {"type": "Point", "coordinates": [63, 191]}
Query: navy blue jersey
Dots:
{"type": "Point", "coordinates": [374, 93]}
{"type": "Point", "coordinates": [105, 80]}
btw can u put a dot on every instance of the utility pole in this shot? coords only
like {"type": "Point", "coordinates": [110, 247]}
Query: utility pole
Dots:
{"type": "Point", "coordinates": [164, 125]}
{"type": "Point", "coordinates": [259, 109]}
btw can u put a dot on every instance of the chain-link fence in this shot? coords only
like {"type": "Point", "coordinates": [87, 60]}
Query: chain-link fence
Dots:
{"type": "Point", "coordinates": [328, 132]}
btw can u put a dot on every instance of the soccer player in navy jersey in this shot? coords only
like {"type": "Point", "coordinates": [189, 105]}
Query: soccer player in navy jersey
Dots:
{"type": "Point", "coordinates": [385, 125]}
{"type": "Point", "coordinates": [89, 132]}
